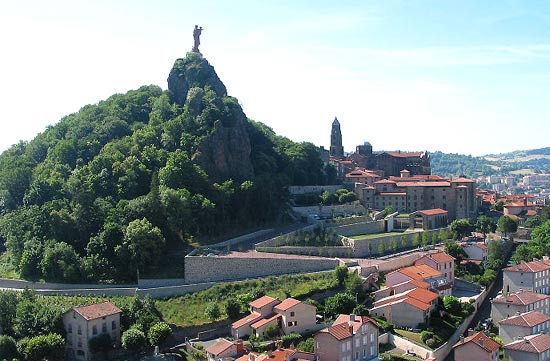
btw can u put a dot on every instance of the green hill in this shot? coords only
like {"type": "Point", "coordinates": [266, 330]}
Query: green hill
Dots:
{"type": "Point", "coordinates": [126, 183]}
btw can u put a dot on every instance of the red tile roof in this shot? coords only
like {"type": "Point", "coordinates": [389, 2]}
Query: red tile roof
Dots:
{"type": "Point", "coordinates": [521, 297]}
{"type": "Point", "coordinates": [286, 304]}
{"type": "Point", "coordinates": [482, 340]}
{"type": "Point", "coordinates": [98, 310]}
{"type": "Point", "coordinates": [418, 304]}
{"type": "Point", "coordinates": [440, 257]}
{"type": "Point", "coordinates": [384, 181]}
{"type": "Point", "coordinates": [404, 155]}
{"type": "Point", "coordinates": [419, 272]}
{"type": "Point", "coordinates": [423, 184]}
{"type": "Point", "coordinates": [262, 301]}
{"type": "Point", "coordinates": [219, 347]}
{"type": "Point", "coordinates": [533, 266]}
{"type": "Point", "coordinates": [359, 321]}
{"type": "Point", "coordinates": [265, 321]}
{"type": "Point", "coordinates": [340, 331]}
{"type": "Point", "coordinates": [433, 212]}
{"type": "Point", "coordinates": [423, 295]}
{"type": "Point", "coordinates": [462, 180]}
{"type": "Point", "coordinates": [249, 319]}
{"type": "Point", "coordinates": [533, 343]}
{"type": "Point", "coordinates": [527, 319]}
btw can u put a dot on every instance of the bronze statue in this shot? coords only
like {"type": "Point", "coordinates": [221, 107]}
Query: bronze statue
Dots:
{"type": "Point", "coordinates": [196, 36]}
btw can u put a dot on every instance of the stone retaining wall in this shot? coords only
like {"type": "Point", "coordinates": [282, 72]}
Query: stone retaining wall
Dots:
{"type": "Point", "coordinates": [208, 269]}
{"type": "Point", "coordinates": [309, 251]}
{"type": "Point", "coordinates": [313, 189]}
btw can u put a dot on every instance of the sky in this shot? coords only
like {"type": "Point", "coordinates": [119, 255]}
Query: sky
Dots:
{"type": "Point", "coordinates": [462, 76]}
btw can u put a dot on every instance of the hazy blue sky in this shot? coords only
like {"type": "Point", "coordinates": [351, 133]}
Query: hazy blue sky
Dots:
{"type": "Point", "coordinates": [462, 76]}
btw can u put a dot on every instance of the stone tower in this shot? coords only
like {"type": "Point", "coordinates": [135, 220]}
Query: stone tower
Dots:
{"type": "Point", "coordinates": [336, 148]}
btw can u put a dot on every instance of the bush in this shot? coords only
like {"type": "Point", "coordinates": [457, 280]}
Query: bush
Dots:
{"type": "Point", "coordinates": [425, 335]}
{"type": "Point", "coordinates": [158, 333]}
{"type": "Point", "coordinates": [232, 308]}
{"type": "Point", "coordinates": [291, 338]}
{"type": "Point", "coordinates": [432, 343]}
{"type": "Point", "coordinates": [134, 340]}
{"type": "Point", "coordinates": [100, 343]}
{"type": "Point", "coordinates": [8, 348]}
{"type": "Point", "coordinates": [212, 311]}
{"type": "Point", "coordinates": [306, 345]}
{"type": "Point", "coordinates": [50, 347]}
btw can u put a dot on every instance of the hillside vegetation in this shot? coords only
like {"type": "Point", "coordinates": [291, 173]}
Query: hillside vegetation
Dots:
{"type": "Point", "coordinates": [119, 186]}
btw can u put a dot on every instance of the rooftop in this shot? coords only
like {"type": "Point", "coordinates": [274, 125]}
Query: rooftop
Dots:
{"type": "Point", "coordinates": [527, 319]}
{"type": "Point", "coordinates": [419, 272]}
{"type": "Point", "coordinates": [533, 266]}
{"type": "Point", "coordinates": [521, 297]}
{"type": "Point", "coordinates": [219, 347]}
{"type": "Point", "coordinates": [533, 343]}
{"type": "Point", "coordinates": [286, 304]}
{"type": "Point", "coordinates": [98, 310]}
{"type": "Point", "coordinates": [433, 212]}
{"type": "Point", "coordinates": [482, 340]}
{"type": "Point", "coordinates": [263, 301]}
{"type": "Point", "coordinates": [249, 319]}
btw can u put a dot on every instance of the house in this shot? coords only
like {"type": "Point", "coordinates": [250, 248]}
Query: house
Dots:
{"type": "Point", "coordinates": [529, 348]}
{"type": "Point", "coordinates": [289, 316]}
{"type": "Point", "coordinates": [84, 323]}
{"type": "Point", "coordinates": [406, 309]}
{"type": "Point", "coordinates": [518, 302]}
{"type": "Point", "coordinates": [533, 276]}
{"type": "Point", "coordinates": [349, 338]}
{"type": "Point", "coordinates": [478, 347]}
{"type": "Point", "coordinates": [523, 324]}
{"type": "Point", "coordinates": [476, 250]}
{"type": "Point", "coordinates": [440, 261]}
{"type": "Point", "coordinates": [424, 273]}
{"type": "Point", "coordinates": [224, 349]}
{"type": "Point", "coordinates": [399, 288]}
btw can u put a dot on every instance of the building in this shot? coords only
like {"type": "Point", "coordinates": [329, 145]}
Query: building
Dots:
{"type": "Point", "coordinates": [349, 338]}
{"type": "Point", "coordinates": [362, 176]}
{"type": "Point", "coordinates": [289, 316]}
{"type": "Point", "coordinates": [533, 322]}
{"type": "Point", "coordinates": [408, 194]}
{"type": "Point", "coordinates": [407, 309]}
{"type": "Point", "coordinates": [529, 348]}
{"type": "Point", "coordinates": [84, 323]}
{"type": "Point", "coordinates": [336, 148]}
{"type": "Point", "coordinates": [429, 219]}
{"type": "Point", "coordinates": [223, 349]}
{"type": "Point", "coordinates": [421, 272]}
{"type": "Point", "coordinates": [280, 354]}
{"type": "Point", "coordinates": [476, 250]}
{"type": "Point", "coordinates": [533, 276]}
{"type": "Point", "coordinates": [442, 262]}
{"type": "Point", "coordinates": [392, 163]}
{"type": "Point", "coordinates": [478, 347]}
{"type": "Point", "coordinates": [399, 288]}
{"type": "Point", "coordinates": [518, 303]}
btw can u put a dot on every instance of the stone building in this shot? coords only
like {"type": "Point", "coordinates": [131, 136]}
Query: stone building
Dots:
{"type": "Point", "coordinates": [515, 327]}
{"type": "Point", "coordinates": [533, 276]}
{"type": "Point", "coordinates": [392, 163]}
{"type": "Point", "coordinates": [84, 323]}
{"type": "Point", "coordinates": [336, 148]}
{"type": "Point", "coordinates": [529, 348]}
{"type": "Point", "coordinates": [519, 302]}
{"type": "Point", "coordinates": [478, 347]}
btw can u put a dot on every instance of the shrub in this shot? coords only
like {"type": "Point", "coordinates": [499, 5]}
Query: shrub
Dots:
{"type": "Point", "coordinates": [100, 343]}
{"type": "Point", "coordinates": [212, 311]}
{"type": "Point", "coordinates": [50, 347]}
{"type": "Point", "coordinates": [232, 308]}
{"type": "Point", "coordinates": [291, 338]}
{"type": "Point", "coordinates": [158, 333]}
{"type": "Point", "coordinates": [8, 348]}
{"type": "Point", "coordinates": [425, 335]}
{"type": "Point", "coordinates": [134, 340]}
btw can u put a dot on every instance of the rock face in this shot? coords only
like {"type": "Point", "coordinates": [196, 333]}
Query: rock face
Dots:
{"type": "Point", "coordinates": [224, 151]}
{"type": "Point", "coordinates": [193, 71]}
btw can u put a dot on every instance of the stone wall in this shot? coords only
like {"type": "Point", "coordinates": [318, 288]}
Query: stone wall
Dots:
{"type": "Point", "coordinates": [240, 239]}
{"type": "Point", "coordinates": [208, 269]}
{"type": "Point", "coordinates": [309, 251]}
{"type": "Point", "coordinates": [361, 246]}
{"type": "Point", "coordinates": [360, 228]}
{"type": "Point", "coordinates": [313, 189]}
{"type": "Point", "coordinates": [330, 211]}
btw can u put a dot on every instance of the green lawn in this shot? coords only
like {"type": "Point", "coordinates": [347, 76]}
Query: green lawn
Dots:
{"type": "Point", "coordinates": [189, 309]}
{"type": "Point", "coordinates": [376, 235]}
{"type": "Point", "coordinates": [412, 336]}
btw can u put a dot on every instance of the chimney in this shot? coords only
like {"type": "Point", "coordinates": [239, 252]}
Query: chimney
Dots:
{"type": "Point", "coordinates": [240, 345]}
{"type": "Point", "coordinates": [461, 339]}
{"type": "Point", "coordinates": [481, 342]}
{"type": "Point", "coordinates": [269, 353]}
{"type": "Point", "coordinates": [518, 313]}
{"type": "Point", "coordinates": [251, 357]}
{"type": "Point", "coordinates": [350, 327]}
{"type": "Point", "coordinates": [292, 345]}
{"type": "Point", "coordinates": [352, 318]}
{"type": "Point", "coordinates": [470, 332]}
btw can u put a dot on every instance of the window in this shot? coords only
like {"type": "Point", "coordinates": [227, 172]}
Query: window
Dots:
{"type": "Point", "coordinates": [292, 314]}
{"type": "Point", "coordinates": [79, 331]}
{"type": "Point", "coordinates": [94, 330]}
{"type": "Point", "coordinates": [344, 347]}
{"type": "Point", "coordinates": [372, 337]}
{"type": "Point", "coordinates": [80, 353]}
{"type": "Point", "coordinates": [113, 325]}
{"type": "Point", "coordinates": [79, 344]}
{"type": "Point", "coordinates": [104, 327]}
{"type": "Point", "coordinates": [365, 339]}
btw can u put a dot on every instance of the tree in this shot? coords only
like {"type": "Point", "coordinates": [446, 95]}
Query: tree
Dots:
{"type": "Point", "coordinates": [340, 273]}
{"type": "Point", "coordinates": [272, 330]}
{"type": "Point", "coordinates": [340, 303]}
{"type": "Point", "coordinates": [361, 310]}
{"type": "Point", "coordinates": [61, 263]}
{"type": "Point", "coordinates": [306, 345]}
{"type": "Point", "coordinates": [49, 347]}
{"type": "Point", "coordinates": [158, 333]}
{"type": "Point", "coordinates": [404, 242]}
{"type": "Point", "coordinates": [232, 308]}
{"type": "Point", "coordinates": [416, 239]}
{"type": "Point", "coordinates": [455, 250]}
{"type": "Point", "coordinates": [133, 340]}
{"type": "Point", "coordinates": [425, 238]}
{"type": "Point", "coordinates": [143, 243]}
{"type": "Point", "coordinates": [451, 304]}
{"type": "Point", "coordinates": [381, 248]}
{"type": "Point", "coordinates": [460, 227]}
{"type": "Point", "coordinates": [394, 245]}
{"type": "Point", "coordinates": [485, 224]}
{"type": "Point", "coordinates": [8, 309]}
{"type": "Point", "coordinates": [443, 234]}
{"type": "Point", "coordinates": [507, 225]}
{"type": "Point", "coordinates": [212, 311]}
{"type": "Point", "coordinates": [101, 343]}
{"type": "Point", "coordinates": [8, 348]}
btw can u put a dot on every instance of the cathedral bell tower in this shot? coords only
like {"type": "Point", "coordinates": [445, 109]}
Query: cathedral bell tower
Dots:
{"type": "Point", "coordinates": [336, 148]}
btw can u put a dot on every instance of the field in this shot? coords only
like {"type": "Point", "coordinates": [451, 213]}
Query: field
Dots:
{"type": "Point", "coordinates": [376, 235]}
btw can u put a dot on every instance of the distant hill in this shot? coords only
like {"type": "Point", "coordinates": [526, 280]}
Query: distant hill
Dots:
{"type": "Point", "coordinates": [516, 162]}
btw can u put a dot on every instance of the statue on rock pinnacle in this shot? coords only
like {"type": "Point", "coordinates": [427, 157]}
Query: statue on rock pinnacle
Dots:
{"type": "Point", "coordinates": [196, 37]}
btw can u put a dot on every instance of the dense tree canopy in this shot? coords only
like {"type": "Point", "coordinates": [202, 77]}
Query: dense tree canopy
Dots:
{"type": "Point", "coordinates": [120, 181]}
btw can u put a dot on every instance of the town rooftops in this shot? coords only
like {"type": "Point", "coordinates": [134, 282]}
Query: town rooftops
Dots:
{"type": "Point", "coordinates": [264, 321]}
{"type": "Point", "coordinates": [249, 319]}
{"type": "Point", "coordinates": [533, 343]}
{"type": "Point", "coordinates": [263, 301]}
{"type": "Point", "coordinates": [384, 181]}
{"type": "Point", "coordinates": [419, 294]}
{"type": "Point", "coordinates": [522, 297]}
{"type": "Point", "coordinates": [439, 257]}
{"type": "Point", "coordinates": [527, 319]}
{"type": "Point", "coordinates": [533, 266]}
{"type": "Point", "coordinates": [340, 331]}
{"type": "Point", "coordinates": [419, 272]}
{"type": "Point", "coordinates": [423, 184]}
{"type": "Point", "coordinates": [403, 154]}
{"type": "Point", "coordinates": [357, 321]}
{"type": "Point", "coordinates": [462, 180]}
{"type": "Point", "coordinates": [416, 303]}
{"type": "Point", "coordinates": [482, 340]}
{"type": "Point", "coordinates": [219, 347]}
{"type": "Point", "coordinates": [434, 212]}
{"type": "Point", "coordinates": [98, 310]}
{"type": "Point", "coordinates": [286, 304]}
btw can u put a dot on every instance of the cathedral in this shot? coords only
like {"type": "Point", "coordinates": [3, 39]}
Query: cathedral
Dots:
{"type": "Point", "coordinates": [386, 164]}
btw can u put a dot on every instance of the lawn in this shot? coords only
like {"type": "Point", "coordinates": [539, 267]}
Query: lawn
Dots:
{"type": "Point", "coordinates": [376, 235]}
{"type": "Point", "coordinates": [189, 309]}
{"type": "Point", "coordinates": [412, 336]}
